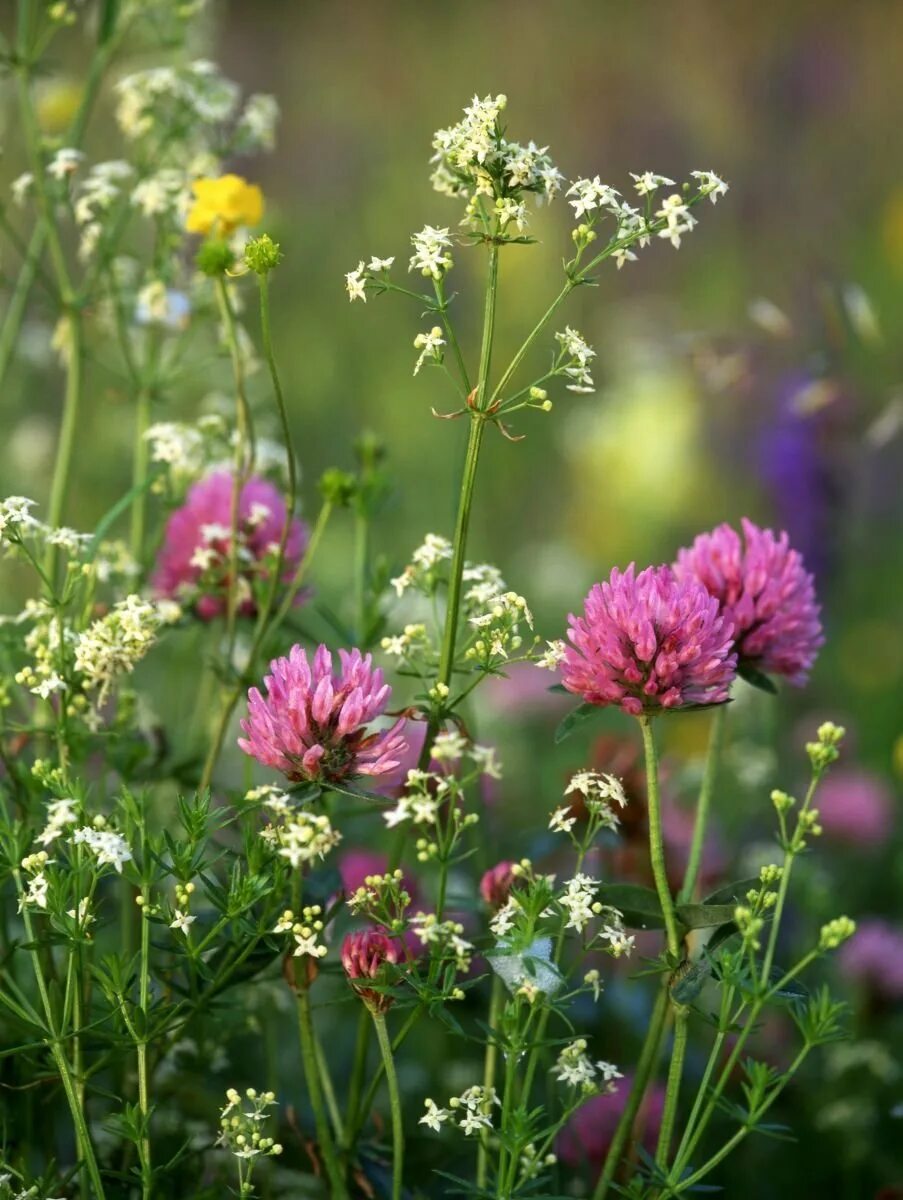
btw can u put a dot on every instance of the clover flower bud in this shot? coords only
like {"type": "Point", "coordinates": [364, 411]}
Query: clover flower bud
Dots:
{"type": "Point", "coordinates": [365, 955]}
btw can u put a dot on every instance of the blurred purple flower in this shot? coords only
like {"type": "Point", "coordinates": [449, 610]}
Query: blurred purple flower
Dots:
{"type": "Point", "coordinates": [194, 560]}
{"type": "Point", "coordinates": [764, 591]}
{"type": "Point", "coordinates": [855, 806]}
{"type": "Point", "coordinates": [873, 957]}
{"type": "Point", "coordinates": [648, 642]}
{"type": "Point", "coordinates": [312, 725]}
{"type": "Point", "coordinates": [587, 1136]}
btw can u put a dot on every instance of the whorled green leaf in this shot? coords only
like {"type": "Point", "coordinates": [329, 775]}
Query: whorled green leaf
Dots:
{"type": "Point", "coordinates": [705, 916]}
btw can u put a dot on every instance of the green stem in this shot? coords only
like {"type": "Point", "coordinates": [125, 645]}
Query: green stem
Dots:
{"type": "Point", "coordinates": [656, 845]}
{"type": "Point", "coordinates": [672, 1091]}
{"type": "Point", "coordinates": [83, 1136]}
{"type": "Point", "coordinates": [706, 792]}
{"type": "Point", "coordinates": [141, 461]}
{"type": "Point", "coordinates": [644, 1072]}
{"type": "Point", "coordinates": [385, 1049]}
{"type": "Point", "coordinates": [490, 1063]}
{"type": "Point", "coordinates": [66, 444]}
{"type": "Point", "coordinates": [358, 1070]}
{"type": "Point", "coordinates": [676, 1188]}
{"type": "Point", "coordinates": [143, 1076]}
{"type": "Point", "coordinates": [314, 1090]}
{"type": "Point", "coordinates": [367, 1103]}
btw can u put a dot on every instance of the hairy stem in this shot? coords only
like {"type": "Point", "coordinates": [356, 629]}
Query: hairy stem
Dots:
{"type": "Point", "coordinates": [656, 845]}
{"type": "Point", "coordinates": [490, 1064]}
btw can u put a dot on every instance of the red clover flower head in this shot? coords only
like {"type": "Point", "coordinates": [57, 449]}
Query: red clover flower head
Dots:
{"type": "Point", "coordinates": [766, 593]}
{"type": "Point", "coordinates": [649, 642]}
{"type": "Point", "coordinates": [194, 560]}
{"type": "Point", "coordinates": [496, 884]}
{"type": "Point", "coordinates": [312, 725]}
{"type": "Point", "coordinates": [364, 956]}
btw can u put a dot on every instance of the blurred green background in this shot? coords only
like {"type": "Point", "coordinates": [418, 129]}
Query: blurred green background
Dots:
{"type": "Point", "coordinates": [756, 371]}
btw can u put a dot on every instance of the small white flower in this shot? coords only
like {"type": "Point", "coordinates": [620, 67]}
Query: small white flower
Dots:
{"type": "Point", "coordinates": [21, 187]}
{"type": "Point", "coordinates": [562, 820]}
{"type": "Point", "coordinates": [710, 184]}
{"type": "Point", "coordinates": [430, 346]}
{"type": "Point", "coordinates": [434, 1117]}
{"type": "Point", "coordinates": [355, 282]}
{"type": "Point", "coordinates": [649, 182]}
{"type": "Point", "coordinates": [182, 921]}
{"type": "Point", "coordinates": [64, 162]}
{"type": "Point", "coordinates": [431, 255]}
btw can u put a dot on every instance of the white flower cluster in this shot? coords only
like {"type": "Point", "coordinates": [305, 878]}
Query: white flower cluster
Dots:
{"type": "Point", "coordinates": [498, 628]}
{"type": "Point", "coordinates": [576, 1069]}
{"type": "Point", "coordinates": [60, 815]}
{"type": "Point", "coordinates": [407, 645]}
{"type": "Point", "coordinates": [15, 515]}
{"type": "Point", "coordinates": [444, 938]}
{"type": "Point", "coordinates": [382, 898]}
{"type": "Point", "coordinates": [107, 846]}
{"type": "Point", "coordinates": [306, 930]}
{"type": "Point", "coordinates": [423, 572]}
{"type": "Point", "coordinates": [474, 158]}
{"type": "Point", "coordinates": [600, 794]}
{"type": "Point", "coordinates": [366, 274]}
{"type": "Point", "coordinates": [579, 901]}
{"type": "Point", "coordinates": [573, 361]}
{"type": "Point", "coordinates": [240, 1127]}
{"type": "Point", "coordinates": [302, 836]}
{"type": "Point", "coordinates": [187, 449]}
{"type": "Point", "coordinates": [431, 255]}
{"type": "Point", "coordinates": [113, 644]}
{"type": "Point", "coordinates": [35, 895]}
{"type": "Point", "coordinates": [471, 1111]}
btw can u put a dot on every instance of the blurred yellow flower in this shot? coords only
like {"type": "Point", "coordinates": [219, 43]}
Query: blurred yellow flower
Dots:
{"type": "Point", "coordinates": [221, 205]}
{"type": "Point", "coordinates": [57, 103]}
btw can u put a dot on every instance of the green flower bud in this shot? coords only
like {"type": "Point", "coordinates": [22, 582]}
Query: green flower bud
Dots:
{"type": "Point", "coordinates": [262, 254]}
{"type": "Point", "coordinates": [215, 257]}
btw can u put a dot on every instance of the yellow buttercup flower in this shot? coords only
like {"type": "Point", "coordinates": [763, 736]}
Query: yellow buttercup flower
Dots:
{"type": "Point", "coordinates": [221, 205]}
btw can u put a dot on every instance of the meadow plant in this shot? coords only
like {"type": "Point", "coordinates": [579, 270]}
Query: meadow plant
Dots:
{"type": "Point", "coordinates": [164, 901]}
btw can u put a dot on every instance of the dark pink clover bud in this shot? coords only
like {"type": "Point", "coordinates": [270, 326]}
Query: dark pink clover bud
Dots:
{"type": "Point", "coordinates": [649, 642]}
{"type": "Point", "coordinates": [496, 884]}
{"type": "Point", "coordinates": [193, 563]}
{"type": "Point", "coordinates": [312, 725]}
{"type": "Point", "coordinates": [365, 955]}
{"type": "Point", "coordinates": [764, 591]}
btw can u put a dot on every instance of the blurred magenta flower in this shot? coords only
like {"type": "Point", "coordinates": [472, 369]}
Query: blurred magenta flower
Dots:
{"type": "Point", "coordinates": [678, 823]}
{"type": "Point", "coordinates": [364, 956]}
{"type": "Point", "coordinates": [648, 642]}
{"type": "Point", "coordinates": [586, 1137]}
{"type": "Point", "coordinates": [873, 957]}
{"type": "Point", "coordinates": [193, 563]}
{"type": "Point", "coordinates": [496, 884]}
{"type": "Point", "coordinates": [764, 591]}
{"type": "Point", "coordinates": [855, 806]}
{"type": "Point", "coordinates": [522, 690]}
{"type": "Point", "coordinates": [313, 724]}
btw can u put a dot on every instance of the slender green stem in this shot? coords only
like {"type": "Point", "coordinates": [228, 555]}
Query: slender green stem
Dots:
{"type": "Point", "coordinates": [677, 1187]}
{"type": "Point", "coordinates": [243, 462]}
{"type": "Point", "coordinates": [143, 1076]}
{"type": "Point", "coordinates": [367, 1103]}
{"type": "Point", "coordinates": [315, 1092]}
{"type": "Point", "coordinates": [358, 1070]}
{"type": "Point", "coordinates": [76, 1108]}
{"type": "Point", "coordinates": [442, 309]}
{"type": "Point", "coordinates": [68, 428]}
{"type": "Point", "coordinates": [140, 463]}
{"type": "Point", "coordinates": [490, 1064]}
{"type": "Point", "coordinates": [728, 1069]}
{"type": "Point", "coordinates": [361, 560]}
{"type": "Point", "coordinates": [329, 1093]}
{"type": "Point", "coordinates": [672, 1091]}
{"type": "Point", "coordinates": [385, 1049]}
{"type": "Point", "coordinates": [706, 792]}
{"type": "Point", "coordinates": [727, 999]}
{"type": "Point", "coordinates": [530, 339]}
{"type": "Point", "coordinates": [18, 301]}
{"type": "Point", "coordinates": [656, 845]}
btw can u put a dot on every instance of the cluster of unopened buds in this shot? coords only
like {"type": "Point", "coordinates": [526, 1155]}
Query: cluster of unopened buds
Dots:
{"type": "Point", "coordinates": [382, 898]}
{"type": "Point", "coordinates": [497, 628]}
